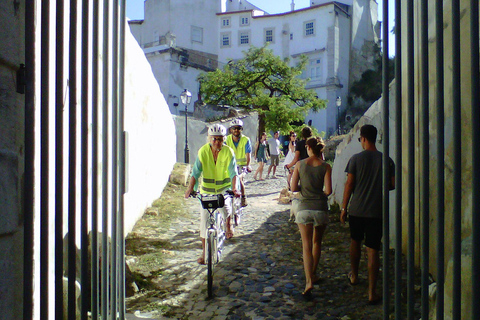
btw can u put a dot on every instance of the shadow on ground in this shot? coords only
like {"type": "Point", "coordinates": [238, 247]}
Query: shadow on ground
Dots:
{"type": "Point", "coordinates": [260, 275]}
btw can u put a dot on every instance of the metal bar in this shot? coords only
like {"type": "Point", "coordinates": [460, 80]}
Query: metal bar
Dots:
{"type": "Point", "coordinates": [29, 179]}
{"type": "Point", "coordinates": [440, 96]}
{"type": "Point", "coordinates": [425, 158]}
{"type": "Point", "coordinates": [385, 161]}
{"type": "Point", "coordinates": [44, 156]}
{"type": "Point", "coordinates": [121, 117]}
{"type": "Point", "coordinates": [411, 162]}
{"type": "Point", "coordinates": [95, 73]}
{"type": "Point", "coordinates": [72, 161]}
{"type": "Point", "coordinates": [398, 160]}
{"type": "Point", "coordinates": [474, 48]}
{"type": "Point", "coordinates": [105, 166]}
{"type": "Point", "coordinates": [59, 94]}
{"type": "Point", "coordinates": [85, 283]}
{"type": "Point", "coordinates": [114, 132]}
{"type": "Point", "coordinates": [457, 163]}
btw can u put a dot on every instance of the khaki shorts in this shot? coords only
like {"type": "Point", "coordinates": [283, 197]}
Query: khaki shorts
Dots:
{"type": "Point", "coordinates": [274, 160]}
{"type": "Point", "coordinates": [315, 217]}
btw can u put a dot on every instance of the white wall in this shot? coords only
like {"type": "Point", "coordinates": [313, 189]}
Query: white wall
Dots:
{"type": "Point", "coordinates": [177, 16]}
{"type": "Point", "coordinates": [147, 121]}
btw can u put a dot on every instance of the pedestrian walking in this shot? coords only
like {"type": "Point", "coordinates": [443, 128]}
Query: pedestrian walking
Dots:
{"type": "Point", "coordinates": [274, 148]}
{"type": "Point", "coordinates": [291, 144]}
{"type": "Point", "coordinates": [300, 150]}
{"type": "Point", "coordinates": [312, 177]}
{"type": "Point", "coordinates": [364, 187]}
{"type": "Point", "coordinates": [260, 154]}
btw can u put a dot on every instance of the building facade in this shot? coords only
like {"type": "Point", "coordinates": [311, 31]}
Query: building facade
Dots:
{"type": "Point", "coordinates": [338, 38]}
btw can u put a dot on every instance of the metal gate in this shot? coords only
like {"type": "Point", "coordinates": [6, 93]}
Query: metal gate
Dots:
{"type": "Point", "coordinates": [414, 93]}
{"type": "Point", "coordinates": [74, 151]}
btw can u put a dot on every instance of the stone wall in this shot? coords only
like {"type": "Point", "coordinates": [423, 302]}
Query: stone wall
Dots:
{"type": "Point", "coordinates": [197, 133]}
{"type": "Point", "coordinates": [12, 35]}
{"type": "Point", "coordinates": [350, 146]}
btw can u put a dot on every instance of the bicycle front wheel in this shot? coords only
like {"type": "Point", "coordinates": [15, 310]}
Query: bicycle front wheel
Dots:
{"type": "Point", "coordinates": [210, 252]}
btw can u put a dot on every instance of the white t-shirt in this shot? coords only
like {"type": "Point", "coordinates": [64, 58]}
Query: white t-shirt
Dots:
{"type": "Point", "coordinates": [274, 146]}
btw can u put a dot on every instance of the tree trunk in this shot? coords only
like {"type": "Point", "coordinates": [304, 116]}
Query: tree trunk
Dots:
{"type": "Point", "coordinates": [261, 125]}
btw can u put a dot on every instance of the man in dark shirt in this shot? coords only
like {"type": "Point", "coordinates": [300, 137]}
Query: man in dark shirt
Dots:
{"type": "Point", "coordinates": [364, 181]}
{"type": "Point", "coordinates": [300, 148]}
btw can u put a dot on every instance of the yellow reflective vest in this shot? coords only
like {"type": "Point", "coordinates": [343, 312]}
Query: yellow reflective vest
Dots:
{"type": "Point", "coordinates": [239, 150]}
{"type": "Point", "coordinates": [216, 178]}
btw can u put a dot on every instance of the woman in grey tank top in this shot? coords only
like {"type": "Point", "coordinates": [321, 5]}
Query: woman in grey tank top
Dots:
{"type": "Point", "coordinates": [311, 207]}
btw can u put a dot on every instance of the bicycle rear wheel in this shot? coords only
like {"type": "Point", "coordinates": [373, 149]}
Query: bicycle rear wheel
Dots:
{"type": "Point", "coordinates": [210, 252]}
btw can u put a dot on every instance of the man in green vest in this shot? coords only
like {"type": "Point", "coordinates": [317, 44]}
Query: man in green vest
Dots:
{"type": "Point", "coordinates": [216, 162]}
{"type": "Point", "coordinates": [242, 147]}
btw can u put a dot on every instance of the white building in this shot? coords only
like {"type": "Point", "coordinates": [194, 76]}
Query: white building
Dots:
{"type": "Point", "coordinates": [338, 38]}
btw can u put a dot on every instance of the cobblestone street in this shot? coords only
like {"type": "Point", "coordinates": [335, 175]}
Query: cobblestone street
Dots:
{"type": "Point", "coordinates": [260, 275]}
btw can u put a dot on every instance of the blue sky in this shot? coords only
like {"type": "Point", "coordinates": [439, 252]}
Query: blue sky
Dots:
{"type": "Point", "coordinates": [135, 11]}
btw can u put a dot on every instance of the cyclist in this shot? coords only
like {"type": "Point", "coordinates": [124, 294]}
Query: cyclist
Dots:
{"type": "Point", "coordinates": [216, 162]}
{"type": "Point", "coordinates": [242, 147]}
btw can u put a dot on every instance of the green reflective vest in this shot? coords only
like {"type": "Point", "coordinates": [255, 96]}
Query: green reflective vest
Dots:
{"type": "Point", "coordinates": [216, 178]}
{"type": "Point", "coordinates": [239, 150]}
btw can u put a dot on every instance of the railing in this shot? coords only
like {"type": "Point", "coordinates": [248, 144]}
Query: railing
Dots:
{"type": "Point", "coordinates": [423, 138]}
{"type": "Point", "coordinates": [72, 196]}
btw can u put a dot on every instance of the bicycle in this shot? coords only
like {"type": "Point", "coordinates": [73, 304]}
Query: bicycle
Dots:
{"type": "Point", "coordinates": [215, 234]}
{"type": "Point", "coordinates": [237, 209]}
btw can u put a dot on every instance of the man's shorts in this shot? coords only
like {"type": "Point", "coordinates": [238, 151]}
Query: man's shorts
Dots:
{"type": "Point", "coordinates": [275, 160]}
{"type": "Point", "coordinates": [370, 228]}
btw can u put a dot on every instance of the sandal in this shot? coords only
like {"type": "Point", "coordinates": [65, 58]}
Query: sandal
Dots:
{"type": "Point", "coordinates": [201, 260]}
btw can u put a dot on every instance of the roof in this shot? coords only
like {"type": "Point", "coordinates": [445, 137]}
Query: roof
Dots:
{"type": "Point", "coordinates": [135, 21]}
{"type": "Point", "coordinates": [284, 13]}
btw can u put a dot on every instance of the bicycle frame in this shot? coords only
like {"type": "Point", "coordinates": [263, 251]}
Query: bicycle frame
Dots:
{"type": "Point", "coordinates": [215, 233]}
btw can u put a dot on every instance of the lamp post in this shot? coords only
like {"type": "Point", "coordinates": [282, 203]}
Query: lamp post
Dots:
{"type": "Point", "coordinates": [186, 97]}
{"type": "Point", "coordinates": [339, 103]}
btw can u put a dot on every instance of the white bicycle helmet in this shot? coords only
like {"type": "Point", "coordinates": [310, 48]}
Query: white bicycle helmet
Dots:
{"type": "Point", "coordinates": [236, 123]}
{"type": "Point", "coordinates": [217, 130]}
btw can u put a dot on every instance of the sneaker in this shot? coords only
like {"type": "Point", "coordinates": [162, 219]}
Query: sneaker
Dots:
{"type": "Point", "coordinates": [243, 201]}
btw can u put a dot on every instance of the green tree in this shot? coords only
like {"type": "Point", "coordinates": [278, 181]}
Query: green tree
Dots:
{"type": "Point", "coordinates": [264, 82]}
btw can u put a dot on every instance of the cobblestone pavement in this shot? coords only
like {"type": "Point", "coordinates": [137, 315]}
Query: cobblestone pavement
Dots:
{"type": "Point", "coordinates": [260, 275]}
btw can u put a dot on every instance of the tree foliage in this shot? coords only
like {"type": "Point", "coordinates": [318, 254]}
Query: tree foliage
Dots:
{"type": "Point", "coordinates": [264, 82]}
{"type": "Point", "coordinates": [369, 87]}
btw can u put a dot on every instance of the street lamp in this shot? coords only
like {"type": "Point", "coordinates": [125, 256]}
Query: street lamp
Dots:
{"type": "Point", "coordinates": [186, 97]}
{"type": "Point", "coordinates": [339, 103]}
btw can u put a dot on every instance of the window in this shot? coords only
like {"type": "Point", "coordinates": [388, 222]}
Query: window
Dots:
{"type": "Point", "coordinates": [269, 33]}
{"type": "Point", "coordinates": [225, 22]}
{"type": "Point", "coordinates": [244, 21]}
{"type": "Point", "coordinates": [244, 38]}
{"type": "Point", "coordinates": [197, 34]}
{"type": "Point", "coordinates": [309, 27]}
{"type": "Point", "coordinates": [225, 40]}
{"type": "Point", "coordinates": [315, 69]}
